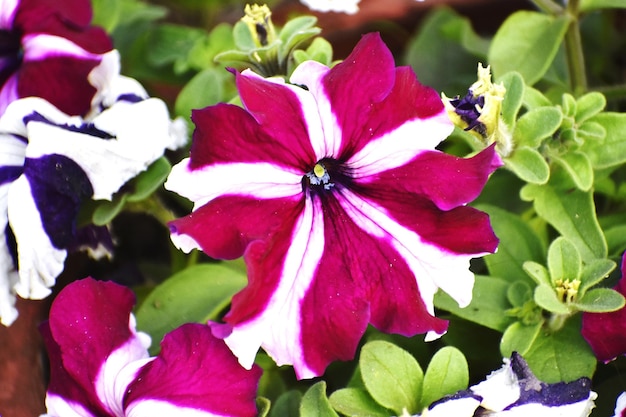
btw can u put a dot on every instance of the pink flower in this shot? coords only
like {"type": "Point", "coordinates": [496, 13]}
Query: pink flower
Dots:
{"type": "Point", "coordinates": [100, 364]}
{"type": "Point", "coordinates": [345, 214]}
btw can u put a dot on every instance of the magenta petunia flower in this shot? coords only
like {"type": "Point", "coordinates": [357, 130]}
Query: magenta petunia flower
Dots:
{"type": "Point", "coordinates": [47, 50]}
{"type": "Point", "coordinates": [606, 332]}
{"type": "Point", "coordinates": [100, 365]}
{"type": "Point", "coordinates": [344, 212]}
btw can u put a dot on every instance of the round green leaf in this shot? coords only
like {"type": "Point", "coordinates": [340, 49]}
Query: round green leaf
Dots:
{"type": "Point", "coordinates": [529, 165]}
{"type": "Point", "coordinates": [546, 298]}
{"type": "Point", "coordinates": [315, 403]}
{"type": "Point", "coordinates": [527, 42]}
{"type": "Point", "coordinates": [446, 374]}
{"type": "Point", "coordinates": [594, 272]}
{"type": "Point", "coordinates": [537, 272]}
{"type": "Point", "coordinates": [589, 105]}
{"type": "Point", "coordinates": [519, 337]}
{"type": "Point", "coordinates": [536, 125]}
{"type": "Point", "coordinates": [391, 376]}
{"type": "Point", "coordinates": [356, 402]}
{"type": "Point", "coordinates": [563, 260]}
{"type": "Point", "coordinates": [579, 168]}
{"type": "Point", "coordinates": [195, 294]}
{"type": "Point", "coordinates": [600, 300]}
{"type": "Point", "coordinates": [612, 150]}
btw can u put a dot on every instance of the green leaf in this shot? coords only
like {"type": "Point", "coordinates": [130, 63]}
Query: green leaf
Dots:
{"type": "Point", "coordinates": [391, 376]}
{"type": "Point", "coordinates": [147, 182]}
{"type": "Point", "coordinates": [579, 168]}
{"type": "Point", "coordinates": [600, 300]}
{"type": "Point", "coordinates": [242, 37]}
{"type": "Point", "coordinates": [594, 272]}
{"type": "Point", "coordinates": [534, 98]}
{"type": "Point", "coordinates": [592, 131]}
{"type": "Point", "coordinates": [206, 88]}
{"type": "Point", "coordinates": [446, 374]}
{"type": "Point", "coordinates": [589, 5]}
{"type": "Point", "coordinates": [315, 403]}
{"type": "Point", "coordinates": [612, 150]}
{"type": "Point", "coordinates": [514, 84]}
{"type": "Point", "coordinates": [589, 105]}
{"type": "Point", "coordinates": [527, 42]}
{"type": "Point", "coordinates": [536, 125]}
{"type": "Point", "coordinates": [529, 165]}
{"type": "Point", "coordinates": [519, 293]}
{"type": "Point", "coordinates": [538, 273]}
{"type": "Point", "coordinates": [172, 44]}
{"type": "Point", "coordinates": [562, 355]}
{"type": "Point", "coordinates": [205, 49]}
{"type": "Point", "coordinates": [519, 337]}
{"type": "Point", "coordinates": [569, 105]}
{"type": "Point", "coordinates": [572, 213]}
{"type": "Point", "coordinates": [518, 244]}
{"type": "Point", "coordinates": [488, 307]}
{"type": "Point", "coordinates": [564, 261]}
{"type": "Point", "coordinates": [195, 294]}
{"type": "Point", "coordinates": [263, 405]}
{"type": "Point", "coordinates": [287, 405]}
{"type": "Point", "coordinates": [298, 30]}
{"type": "Point", "coordinates": [106, 13]}
{"type": "Point", "coordinates": [616, 239]}
{"type": "Point", "coordinates": [106, 211]}
{"type": "Point", "coordinates": [546, 298]}
{"type": "Point", "coordinates": [356, 402]}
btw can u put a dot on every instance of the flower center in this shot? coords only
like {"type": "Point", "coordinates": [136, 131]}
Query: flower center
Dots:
{"type": "Point", "coordinates": [325, 175]}
{"type": "Point", "coordinates": [10, 53]}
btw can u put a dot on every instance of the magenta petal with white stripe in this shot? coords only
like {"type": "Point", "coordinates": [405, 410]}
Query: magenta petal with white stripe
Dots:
{"type": "Point", "coordinates": [345, 213]}
{"type": "Point", "coordinates": [100, 365]}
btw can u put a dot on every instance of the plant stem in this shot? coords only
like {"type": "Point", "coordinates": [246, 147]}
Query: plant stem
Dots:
{"type": "Point", "coordinates": [612, 92]}
{"type": "Point", "coordinates": [557, 321]}
{"type": "Point", "coordinates": [574, 51]}
{"type": "Point", "coordinates": [548, 6]}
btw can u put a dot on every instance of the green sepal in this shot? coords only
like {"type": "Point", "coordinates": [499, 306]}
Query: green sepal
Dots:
{"type": "Point", "coordinates": [564, 261]}
{"type": "Point", "coordinates": [595, 272]}
{"type": "Point", "coordinates": [391, 376]}
{"type": "Point", "coordinates": [514, 84]}
{"type": "Point", "coordinates": [536, 125]}
{"type": "Point", "coordinates": [527, 42]}
{"type": "Point", "coordinates": [600, 300]}
{"type": "Point", "coordinates": [315, 403]}
{"type": "Point", "coordinates": [356, 402]}
{"type": "Point", "coordinates": [196, 294]}
{"type": "Point", "coordinates": [537, 272]}
{"type": "Point", "coordinates": [529, 165]}
{"type": "Point", "coordinates": [446, 374]}
{"type": "Point", "coordinates": [546, 298]}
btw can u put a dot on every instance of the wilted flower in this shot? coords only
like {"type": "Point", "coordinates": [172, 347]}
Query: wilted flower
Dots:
{"type": "Point", "coordinates": [478, 112]}
{"type": "Point", "coordinates": [48, 49]}
{"type": "Point", "coordinates": [343, 210]}
{"type": "Point", "coordinates": [100, 364]}
{"type": "Point", "coordinates": [51, 162]}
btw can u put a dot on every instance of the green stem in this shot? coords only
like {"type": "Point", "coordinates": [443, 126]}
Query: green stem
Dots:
{"type": "Point", "coordinates": [574, 51]}
{"type": "Point", "coordinates": [548, 6]}
{"type": "Point", "coordinates": [557, 321]}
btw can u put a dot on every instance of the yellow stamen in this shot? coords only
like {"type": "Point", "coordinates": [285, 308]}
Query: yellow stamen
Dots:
{"type": "Point", "coordinates": [319, 170]}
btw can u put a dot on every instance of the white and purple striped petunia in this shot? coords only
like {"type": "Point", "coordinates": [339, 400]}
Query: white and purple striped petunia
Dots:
{"type": "Point", "coordinates": [343, 210]}
{"type": "Point", "coordinates": [50, 163]}
{"type": "Point", "coordinates": [47, 50]}
{"type": "Point", "coordinates": [100, 365]}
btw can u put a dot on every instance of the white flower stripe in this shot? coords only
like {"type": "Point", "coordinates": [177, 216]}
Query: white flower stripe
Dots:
{"type": "Point", "coordinates": [311, 74]}
{"type": "Point", "coordinates": [261, 180]}
{"type": "Point", "coordinates": [40, 262]}
{"type": "Point", "coordinates": [59, 406]}
{"type": "Point", "coordinates": [399, 146]}
{"type": "Point", "coordinates": [432, 266]}
{"type": "Point", "coordinates": [277, 320]}
{"type": "Point", "coordinates": [42, 46]}
{"type": "Point", "coordinates": [152, 407]}
{"type": "Point", "coordinates": [7, 13]}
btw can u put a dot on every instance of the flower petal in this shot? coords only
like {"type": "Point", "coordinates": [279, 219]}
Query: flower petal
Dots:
{"type": "Point", "coordinates": [606, 332]}
{"type": "Point", "coordinates": [97, 340]}
{"type": "Point", "coordinates": [208, 382]}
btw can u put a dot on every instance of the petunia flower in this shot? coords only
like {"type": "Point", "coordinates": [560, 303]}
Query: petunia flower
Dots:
{"type": "Point", "coordinates": [514, 391]}
{"type": "Point", "coordinates": [100, 364]}
{"type": "Point", "coordinates": [48, 49]}
{"type": "Point", "coordinates": [343, 210]}
{"type": "Point", "coordinates": [606, 332]}
{"type": "Point", "coordinates": [620, 405]}
{"type": "Point", "coordinates": [51, 162]}
{"type": "Point", "coordinates": [339, 6]}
